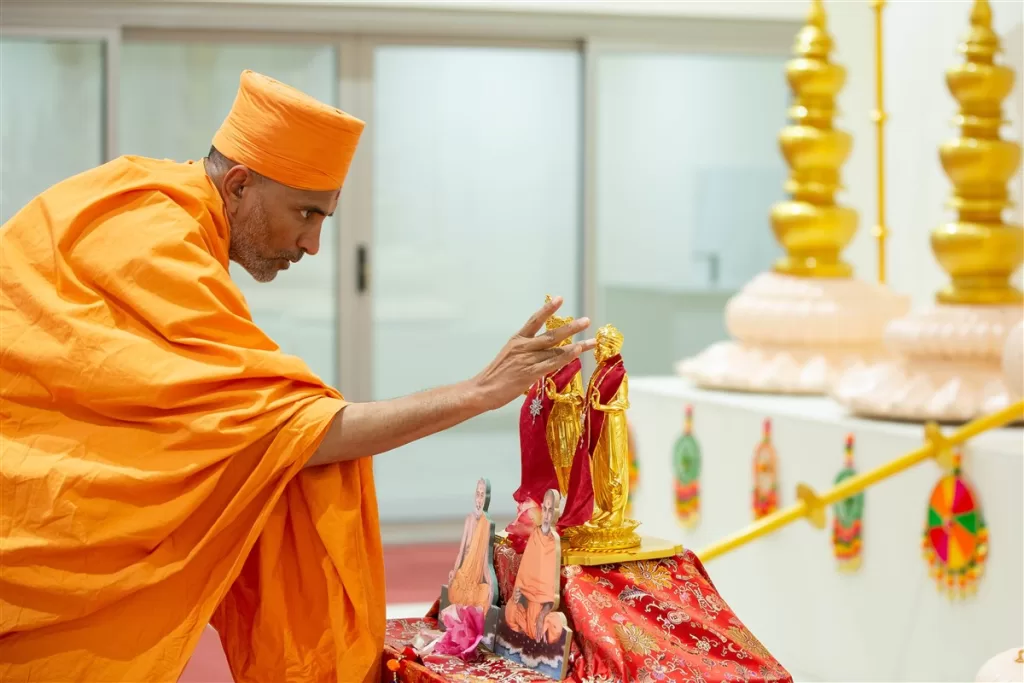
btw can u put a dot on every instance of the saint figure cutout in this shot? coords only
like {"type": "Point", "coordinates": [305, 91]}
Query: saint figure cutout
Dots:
{"type": "Point", "coordinates": [472, 582]}
{"type": "Point", "coordinates": [531, 630]}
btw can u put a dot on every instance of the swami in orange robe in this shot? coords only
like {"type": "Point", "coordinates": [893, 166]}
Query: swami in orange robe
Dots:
{"type": "Point", "coordinates": [473, 582]}
{"type": "Point", "coordinates": [535, 596]}
{"type": "Point", "coordinates": [153, 441]}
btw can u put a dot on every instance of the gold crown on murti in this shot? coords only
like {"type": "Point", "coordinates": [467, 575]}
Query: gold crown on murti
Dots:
{"type": "Point", "coordinates": [554, 322]}
{"type": "Point", "coordinates": [610, 335]}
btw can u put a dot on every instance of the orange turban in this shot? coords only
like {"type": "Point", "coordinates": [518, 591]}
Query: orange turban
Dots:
{"type": "Point", "coordinates": [287, 136]}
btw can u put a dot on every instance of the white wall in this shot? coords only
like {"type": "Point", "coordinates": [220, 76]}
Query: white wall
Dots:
{"type": "Point", "coordinates": [920, 44]}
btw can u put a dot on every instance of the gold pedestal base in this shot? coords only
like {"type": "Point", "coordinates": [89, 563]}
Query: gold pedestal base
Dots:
{"type": "Point", "coordinates": [649, 548]}
{"type": "Point", "coordinates": [599, 539]}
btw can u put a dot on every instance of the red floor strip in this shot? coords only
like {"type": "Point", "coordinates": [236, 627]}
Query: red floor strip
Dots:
{"type": "Point", "coordinates": [415, 573]}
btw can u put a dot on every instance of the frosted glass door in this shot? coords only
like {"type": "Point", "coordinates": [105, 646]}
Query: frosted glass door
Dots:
{"type": "Point", "coordinates": [477, 216]}
{"type": "Point", "coordinates": [174, 116]}
{"type": "Point", "coordinates": [51, 115]}
{"type": "Point", "coordinates": [688, 167]}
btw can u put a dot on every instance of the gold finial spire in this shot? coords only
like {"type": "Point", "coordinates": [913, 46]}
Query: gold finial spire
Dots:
{"type": "Point", "coordinates": [810, 226]}
{"type": "Point", "coordinates": [816, 28]}
{"type": "Point", "coordinates": [978, 250]}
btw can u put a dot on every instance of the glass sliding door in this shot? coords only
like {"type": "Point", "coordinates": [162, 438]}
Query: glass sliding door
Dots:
{"type": "Point", "coordinates": [687, 168]}
{"type": "Point", "coordinates": [174, 96]}
{"type": "Point", "coordinates": [52, 114]}
{"type": "Point", "coordinates": [476, 216]}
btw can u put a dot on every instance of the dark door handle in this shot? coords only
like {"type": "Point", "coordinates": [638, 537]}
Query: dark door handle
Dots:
{"type": "Point", "coordinates": [362, 269]}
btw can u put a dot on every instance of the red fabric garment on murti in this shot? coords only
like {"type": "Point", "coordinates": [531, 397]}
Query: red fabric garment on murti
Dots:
{"type": "Point", "coordinates": [538, 470]}
{"type": "Point", "coordinates": [610, 375]}
{"type": "Point", "coordinates": [579, 502]}
{"type": "Point", "coordinates": [657, 620]}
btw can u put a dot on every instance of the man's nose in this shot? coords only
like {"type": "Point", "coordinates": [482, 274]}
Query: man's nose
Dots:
{"type": "Point", "coordinates": [309, 242]}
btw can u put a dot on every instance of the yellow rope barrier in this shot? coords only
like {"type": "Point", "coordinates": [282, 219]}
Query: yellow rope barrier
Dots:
{"type": "Point", "coordinates": [813, 506]}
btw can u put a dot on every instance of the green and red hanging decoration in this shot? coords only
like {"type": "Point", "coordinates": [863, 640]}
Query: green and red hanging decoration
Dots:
{"type": "Point", "coordinates": [955, 538]}
{"type": "Point", "coordinates": [766, 485]}
{"type": "Point", "coordinates": [687, 465]}
{"type": "Point", "coordinates": [847, 519]}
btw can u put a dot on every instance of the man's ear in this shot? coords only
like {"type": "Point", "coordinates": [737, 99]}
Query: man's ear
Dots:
{"type": "Point", "coordinates": [234, 185]}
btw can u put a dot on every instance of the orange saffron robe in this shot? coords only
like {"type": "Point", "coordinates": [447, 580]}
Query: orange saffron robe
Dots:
{"type": "Point", "coordinates": [537, 580]}
{"type": "Point", "coordinates": [152, 444]}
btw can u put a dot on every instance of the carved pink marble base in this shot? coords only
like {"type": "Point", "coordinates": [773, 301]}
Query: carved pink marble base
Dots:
{"type": "Point", "coordinates": [948, 367]}
{"type": "Point", "coordinates": [797, 335]}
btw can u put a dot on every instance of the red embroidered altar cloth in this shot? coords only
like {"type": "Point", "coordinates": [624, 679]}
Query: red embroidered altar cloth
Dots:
{"type": "Point", "coordinates": [652, 621]}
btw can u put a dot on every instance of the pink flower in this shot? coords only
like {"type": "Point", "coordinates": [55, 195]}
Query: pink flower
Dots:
{"type": "Point", "coordinates": [464, 629]}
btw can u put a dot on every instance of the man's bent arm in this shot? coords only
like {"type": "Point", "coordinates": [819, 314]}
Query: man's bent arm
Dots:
{"type": "Point", "coordinates": [364, 429]}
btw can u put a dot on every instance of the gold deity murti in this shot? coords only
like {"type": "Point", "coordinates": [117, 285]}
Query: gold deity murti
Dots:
{"type": "Point", "coordinates": [607, 401]}
{"type": "Point", "coordinates": [610, 460]}
{"type": "Point", "coordinates": [565, 424]}
{"type": "Point", "coordinates": [610, 536]}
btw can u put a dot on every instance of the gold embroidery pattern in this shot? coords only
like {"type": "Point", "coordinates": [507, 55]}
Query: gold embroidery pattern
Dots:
{"type": "Point", "coordinates": [635, 639]}
{"type": "Point", "coordinates": [649, 574]}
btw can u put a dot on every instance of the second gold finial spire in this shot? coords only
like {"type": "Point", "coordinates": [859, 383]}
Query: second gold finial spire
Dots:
{"type": "Point", "coordinates": [978, 250]}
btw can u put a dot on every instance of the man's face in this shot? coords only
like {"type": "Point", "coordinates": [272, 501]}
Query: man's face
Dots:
{"type": "Point", "coordinates": [547, 511]}
{"type": "Point", "coordinates": [481, 496]}
{"type": "Point", "coordinates": [272, 226]}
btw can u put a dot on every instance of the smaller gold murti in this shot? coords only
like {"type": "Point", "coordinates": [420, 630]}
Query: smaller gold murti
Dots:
{"type": "Point", "coordinates": [564, 427]}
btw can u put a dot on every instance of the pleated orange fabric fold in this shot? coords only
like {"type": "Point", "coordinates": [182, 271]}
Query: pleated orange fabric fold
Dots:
{"type": "Point", "coordinates": [151, 454]}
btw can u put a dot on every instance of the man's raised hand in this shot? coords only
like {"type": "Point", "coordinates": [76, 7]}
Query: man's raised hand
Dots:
{"type": "Point", "coordinates": [528, 356]}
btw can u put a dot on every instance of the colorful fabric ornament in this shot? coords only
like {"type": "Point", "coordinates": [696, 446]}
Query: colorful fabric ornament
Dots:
{"type": "Point", "coordinates": [687, 466]}
{"type": "Point", "coordinates": [847, 518]}
{"type": "Point", "coordinates": [766, 486]}
{"type": "Point", "coordinates": [955, 538]}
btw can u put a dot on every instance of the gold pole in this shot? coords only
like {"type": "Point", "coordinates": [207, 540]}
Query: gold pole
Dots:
{"type": "Point", "coordinates": [879, 117]}
{"type": "Point", "coordinates": [812, 506]}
